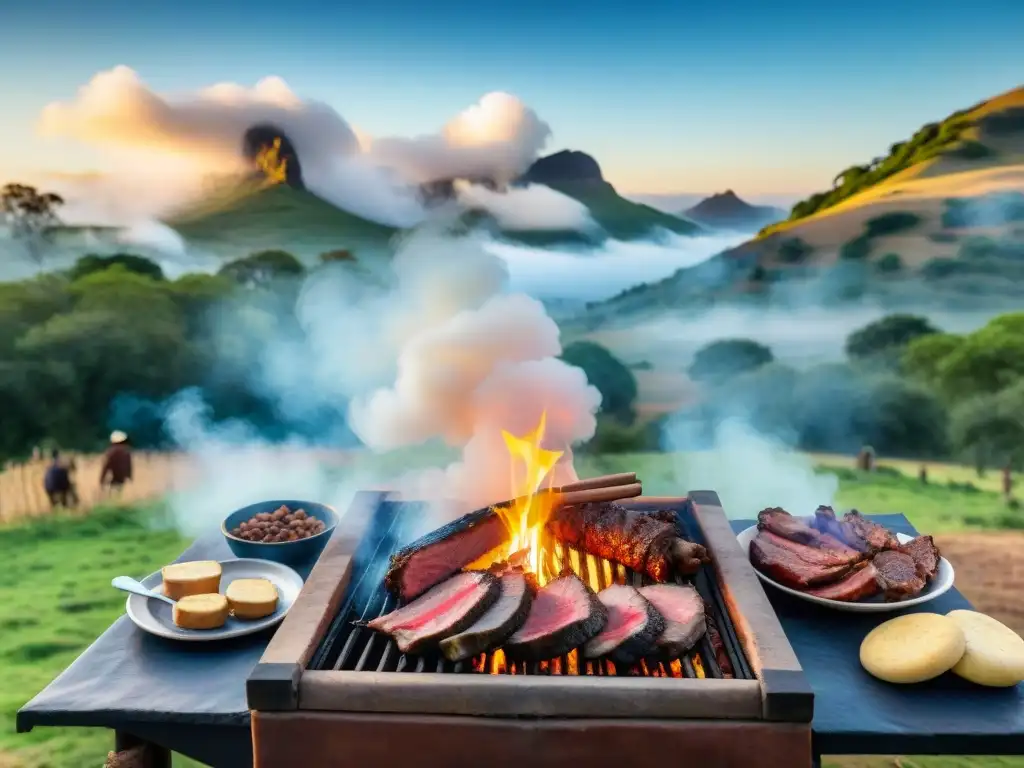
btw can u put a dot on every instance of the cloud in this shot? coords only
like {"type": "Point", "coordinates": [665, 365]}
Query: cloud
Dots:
{"type": "Point", "coordinates": [533, 207]}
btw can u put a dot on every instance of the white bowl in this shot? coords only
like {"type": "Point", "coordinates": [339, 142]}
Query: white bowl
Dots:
{"type": "Point", "coordinates": [941, 584]}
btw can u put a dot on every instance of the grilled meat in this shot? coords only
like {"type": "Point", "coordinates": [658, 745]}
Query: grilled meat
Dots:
{"type": "Point", "coordinates": [781, 523]}
{"type": "Point", "coordinates": [925, 555]}
{"type": "Point", "coordinates": [798, 565]}
{"type": "Point", "coordinates": [877, 537]}
{"type": "Point", "coordinates": [826, 522]}
{"type": "Point", "coordinates": [632, 630]}
{"type": "Point", "coordinates": [445, 610]}
{"type": "Point", "coordinates": [645, 541]}
{"type": "Point", "coordinates": [683, 611]}
{"type": "Point", "coordinates": [897, 575]}
{"type": "Point", "coordinates": [441, 553]}
{"type": "Point", "coordinates": [721, 654]}
{"type": "Point", "coordinates": [565, 614]}
{"type": "Point", "coordinates": [858, 585]}
{"type": "Point", "coordinates": [498, 622]}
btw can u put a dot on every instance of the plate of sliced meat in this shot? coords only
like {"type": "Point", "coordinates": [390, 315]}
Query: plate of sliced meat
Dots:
{"type": "Point", "coordinates": [848, 563]}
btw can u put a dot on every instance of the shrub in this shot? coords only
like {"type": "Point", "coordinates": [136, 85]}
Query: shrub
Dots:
{"type": "Point", "coordinates": [891, 223]}
{"type": "Point", "coordinates": [974, 248]}
{"type": "Point", "coordinates": [794, 251]}
{"type": "Point", "coordinates": [724, 359]}
{"type": "Point", "coordinates": [856, 250]}
{"type": "Point", "coordinates": [140, 265]}
{"type": "Point", "coordinates": [891, 334]}
{"type": "Point", "coordinates": [614, 437]}
{"type": "Point", "coordinates": [612, 378]}
{"type": "Point", "coordinates": [891, 262]}
{"type": "Point", "coordinates": [972, 150]}
{"type": "Point", "coordinates": [1005, 122]}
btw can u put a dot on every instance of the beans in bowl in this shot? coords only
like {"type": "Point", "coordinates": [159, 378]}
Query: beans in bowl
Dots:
{"type": "Point", "coordinates": [279, 526]}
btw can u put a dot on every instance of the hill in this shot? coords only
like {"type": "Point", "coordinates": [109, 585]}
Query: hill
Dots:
{"type": "Point", "coordinates": [726, 210]}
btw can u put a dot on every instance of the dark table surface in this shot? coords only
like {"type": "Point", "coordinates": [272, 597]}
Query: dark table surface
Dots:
{"type": "Point", "coordinates": [191, 698]}
{"type": "Point", "coordinates": [855, 714]}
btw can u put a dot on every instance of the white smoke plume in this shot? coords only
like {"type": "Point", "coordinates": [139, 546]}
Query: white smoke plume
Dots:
{"type": "Point", "coordinates": [531, 207]}
{"type": "Point", "coordinates": [201, 133]}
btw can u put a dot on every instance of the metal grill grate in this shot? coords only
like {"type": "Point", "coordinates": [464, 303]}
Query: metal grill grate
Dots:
{"type": "Point", "coordinates": [354, 648]}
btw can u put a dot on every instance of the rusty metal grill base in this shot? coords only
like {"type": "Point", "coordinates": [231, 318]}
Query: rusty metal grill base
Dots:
{"type": "Point", "coordinates": [348, 647]}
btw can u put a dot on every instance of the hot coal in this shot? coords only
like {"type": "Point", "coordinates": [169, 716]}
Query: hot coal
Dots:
{"type": "Point", "coordinates": [897, 575]}
{"type": "Point", "coordinates": [645, 541]}
{"type": "Point", "coordinates": [445, 610]}
{"type": "Point", "coordinates": [498, 622]}
{"type": "Point", "coordinates": [858, 585]}
{"type": "Point", "coordinates": [632, 630]}
{"type": "Point", "coordinates": [798, 565]}
{"type": "Point", "coordinates": [682, 609]}
{"type": "Point", "coordinates": [925, 555]}
{"type": "Point", "coordinates": [261, 137]}
{"type": "Point", "coordinates": [441, 553]}
{"type": "Point", "coordinates": [565, 614]}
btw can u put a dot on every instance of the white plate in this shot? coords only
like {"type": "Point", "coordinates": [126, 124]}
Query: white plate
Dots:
{"type": "Point", "coordinates": [154, 616]}
{"type": "Point", "coordinates": [941, 584]}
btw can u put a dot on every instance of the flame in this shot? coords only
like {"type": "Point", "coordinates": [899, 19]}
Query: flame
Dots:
{"type": "Point", "coordinates": [272, 164]}
{"type": "Point", "coordinates": [526, 516]}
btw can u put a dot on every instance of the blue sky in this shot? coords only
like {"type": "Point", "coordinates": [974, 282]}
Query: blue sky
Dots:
{"type": "Point", "coordinates": [669, 96]}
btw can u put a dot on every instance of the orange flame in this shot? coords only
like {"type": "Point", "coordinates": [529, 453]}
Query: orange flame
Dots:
{"type": "Point", "coordinates": [269, 160]}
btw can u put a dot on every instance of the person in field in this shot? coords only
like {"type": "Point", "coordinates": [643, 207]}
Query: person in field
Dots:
{"type": "Point", "coordinates": [117, 463]}
{"type": "Point", "coordinates": [57, 482]}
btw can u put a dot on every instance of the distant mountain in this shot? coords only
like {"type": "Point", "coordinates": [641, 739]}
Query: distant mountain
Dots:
{"type": "Point", "coordinates": [726, 210]}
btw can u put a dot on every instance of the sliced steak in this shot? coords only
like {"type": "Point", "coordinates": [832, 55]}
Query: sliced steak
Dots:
{"type": "Point", "coordinates": [826, 522]}
{"type": "Point", "coordinates": [897, 575]}
{"type": "Point", "coordinates": [498, 622]}
{"type": "Point", "coordinates": [565, 614]}
{"type": "Point", "coordinates": [925, 554]}
{"type": "Point", "coordinates": [877, 537]}
{"type": "Point", "coordinates": [797, 565]}
{"type": "Point", "coordinates": [858, 585]}
{"type": "Point", "coordinates": [682, 609]}
{"type": "Point", "coordinates": [632, 629]}
{"type": "Point", "coordinates": [447, 609]}
{"type": "Point", "coordinates": [781, 523]}
{"type": "Point", "coordinates": [441, 553]}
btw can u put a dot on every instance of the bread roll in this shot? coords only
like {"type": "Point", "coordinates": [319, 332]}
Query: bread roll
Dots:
{"type": "Point", "coordinates": [201, 611]}
{"type": "Point", "coordinates": [199, 577]}
{"type": "Point", "coordinates": [995, 653]}
{"type": "Point", "coordinates": [252, 598]}
{"type": "Point", "coordinates": [912, 648]}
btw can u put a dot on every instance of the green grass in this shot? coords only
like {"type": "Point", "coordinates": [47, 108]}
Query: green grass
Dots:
{"type": "Point", "coordinates": [55, 595]}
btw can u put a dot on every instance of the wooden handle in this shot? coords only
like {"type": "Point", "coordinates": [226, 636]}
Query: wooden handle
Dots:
{"type": "Point", "coordinates": [604, 481]}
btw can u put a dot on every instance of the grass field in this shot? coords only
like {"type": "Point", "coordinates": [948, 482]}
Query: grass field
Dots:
{"type": "Point", "coordinates": [55, 597]}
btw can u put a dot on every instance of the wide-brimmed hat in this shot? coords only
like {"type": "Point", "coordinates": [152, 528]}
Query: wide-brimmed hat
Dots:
{"type": "Point", "coordinates": [117, 436]}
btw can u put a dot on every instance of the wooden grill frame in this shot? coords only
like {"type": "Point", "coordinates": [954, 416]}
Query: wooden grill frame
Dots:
{"type": "Point", "coordinates": [280, 683]}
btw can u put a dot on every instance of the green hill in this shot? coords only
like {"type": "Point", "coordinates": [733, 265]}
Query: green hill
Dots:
{"type": "Point", "coordinates": [622, 219]}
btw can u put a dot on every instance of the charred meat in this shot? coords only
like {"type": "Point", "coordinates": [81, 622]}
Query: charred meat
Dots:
{"type": "Point", "coordinates": [645, 541]}
{"type": "Point", "coordinates": [441, 553]}
{"type": "Point", "coordinates": [798, 565]}
{"type": "Point", "coordinates": [781, 523]}
{"type": "Point", "coordinates": [682, 609]}
{"type": "Point", "coordinates": [877, 537]}
{"type": "Point", "coordinates": [632, 630]}
{"type": "Point", "coordinates": [448, 608]}
{"type": "Point", "coordinates": [925, 555]}
{"type": "Point", "coordinates": [858, 585]}
{"type": "Point", "coordinates": [826, 522]}
{"type": "Point", "coordinates": [565, 614]}
{"type": "Point", "coordinates": [498, 622]}
{"type": "Point", "coordinates": [897, 575]}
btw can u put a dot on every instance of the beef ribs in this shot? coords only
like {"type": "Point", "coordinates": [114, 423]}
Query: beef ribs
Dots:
{"type": "Point", "coordinates": [897, 575]}
{"type": "Point", "coordinates": [857, 585]}
{"type": "Point", "coordinates": [433, 558]}
{"type": "Point", "coordinates": [446, 609]}
{"type": "Point", "coordinates": [682, 609]}
{"type": "Point", "coordinates": [925, 554]}
{"type": "Point", "coordinates": [646, 541]}
{"type": "Point", "coordinates": [798, 565]}
{"type": "Point", "coordinates": [825, 521]}
{"type": "Point", "coordinates": [565, 614]}
{"type": "Point", "coordinates": [632, 629]}
{"type": "Point", "coordinates": [498, 622]}
{"type": "Point", "coordinates": [878, 537]}
{"type": "Point", "coordinates": [781, 523]}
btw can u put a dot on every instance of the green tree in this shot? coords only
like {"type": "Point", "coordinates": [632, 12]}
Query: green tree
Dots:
{"type": "Point", "coordinates": [891, 223]}
{"type": "Point", "coordinates": [29, 213]}
{"type": "Point", "coordinates": [794, 251]}
{"type": "Point", "coordinates": [887, 337]}
{"type": "Point", "coordinates": [989, 429]}
{"type": "Point", "coordinates": [612, 378]}
{"type": "Point", "coordinates": [857, 249]}
{"type": "Point", "coordinates": [722, 360]}
{"type": "Point", "coordinates": [890, 263]}
{"type": "Point", "coordinates": [263, 268]}
{"type": "Point", "coordinates": [130, 262]}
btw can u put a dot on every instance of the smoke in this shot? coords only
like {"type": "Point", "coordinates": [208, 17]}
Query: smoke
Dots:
{"type": "Point", "coordinates": [182, 138]}
{"type": "Point", "coordinates": [532, 207]}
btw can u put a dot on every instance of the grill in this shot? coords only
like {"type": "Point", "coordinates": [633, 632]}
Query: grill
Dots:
{"type": "Point", "coordinates": [330, 692]}
{"type": "Point", "coordinates": [350, 647]}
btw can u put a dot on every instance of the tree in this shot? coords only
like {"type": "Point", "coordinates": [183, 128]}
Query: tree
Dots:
{"type": "Point", "coordinates": [794, 251]}
{"type": "Point", "coordinates": [989, 429]}
{"type": "Point", "coordinates": [856, 249]}
{"type": "Point", "coordinates": [890, 263]}
{"type": "Point", "coordinates": [722, 360]}
{"type": "Point", "coordinates": [887, 337]}
{"type": "Point", "coordinates": [130, 262]}
{"type": "Point", "coordinates": [612, 378]}
{"type": "Point", "coordinates": [29, 213]}
{"type": "Point", "coordinates": [263, 268]}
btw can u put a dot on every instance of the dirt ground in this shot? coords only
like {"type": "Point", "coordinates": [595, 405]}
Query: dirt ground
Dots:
{"type": "Point", "coordinates": [989, 572]}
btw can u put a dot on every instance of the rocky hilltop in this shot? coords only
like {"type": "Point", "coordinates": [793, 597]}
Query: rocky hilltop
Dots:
{"type": "Point", "coordinates": [726, 210]}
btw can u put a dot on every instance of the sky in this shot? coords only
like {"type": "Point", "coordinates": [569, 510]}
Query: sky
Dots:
{"type": "Point", "coordinates": [766, 98]}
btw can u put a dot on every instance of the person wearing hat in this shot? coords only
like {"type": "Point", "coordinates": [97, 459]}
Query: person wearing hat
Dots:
{"type": "Point", "coordinates": [117, 462]}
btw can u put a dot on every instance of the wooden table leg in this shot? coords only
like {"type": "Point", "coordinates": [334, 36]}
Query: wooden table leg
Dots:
{"type": "Point", "coordinates": [132, 752]}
